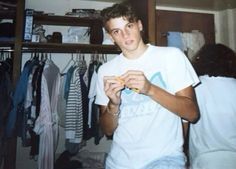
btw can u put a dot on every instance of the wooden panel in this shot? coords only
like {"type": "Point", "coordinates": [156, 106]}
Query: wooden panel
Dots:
{"type": "Point", "coordinates": [152, 21]}
{"type": "Point", "coordinates": [183, 22]}
{"type": "Point", "coordinates": [141, 9]}
{"type": "Point", "coordinates": [146, 11]}
{"type": "Point", "coordinates": [10, 156]}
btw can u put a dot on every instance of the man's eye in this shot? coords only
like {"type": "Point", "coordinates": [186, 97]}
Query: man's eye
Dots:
{"type": "Point", "coordinates": [115, 32]}
{"type": "Point", "coordinates": [130, 25]}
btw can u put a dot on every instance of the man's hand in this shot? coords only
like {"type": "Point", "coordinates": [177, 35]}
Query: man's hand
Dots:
{"type": "Point", "coordinates": [113, 87]}
{"type": "Point", "coordinates": [136, 81]}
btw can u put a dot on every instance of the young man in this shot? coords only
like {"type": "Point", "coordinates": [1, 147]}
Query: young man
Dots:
{"type": "Point", "coordinates": [143, 93]}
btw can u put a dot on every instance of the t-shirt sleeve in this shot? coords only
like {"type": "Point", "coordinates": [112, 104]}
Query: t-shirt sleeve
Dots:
{"type": "Point", "coordinates": [181, 71]}
{"type": "Point", "coordinates": [101, 98]}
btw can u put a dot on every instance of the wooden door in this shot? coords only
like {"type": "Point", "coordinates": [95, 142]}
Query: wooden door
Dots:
{"type": "Point", "coordinates": [183, 22]}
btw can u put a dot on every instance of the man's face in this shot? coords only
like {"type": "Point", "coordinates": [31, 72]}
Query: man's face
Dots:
{"type": "Point", "coordinates": [124, 33]}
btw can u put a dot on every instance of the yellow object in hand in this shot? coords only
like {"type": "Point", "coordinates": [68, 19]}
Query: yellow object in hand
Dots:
{"type": "Point", "coordinates": [122, 82]}
{"type": "Point", "coordinates": [135, 90]}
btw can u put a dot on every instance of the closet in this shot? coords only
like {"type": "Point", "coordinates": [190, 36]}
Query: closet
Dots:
{"type": "Point", "coordinates": [18, 46]}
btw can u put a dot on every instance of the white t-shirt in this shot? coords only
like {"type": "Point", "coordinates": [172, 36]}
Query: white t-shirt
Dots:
{"type": "Point", "coordinates": [147, 131]}
{"type": "Point", "coordinates": [212, 139]}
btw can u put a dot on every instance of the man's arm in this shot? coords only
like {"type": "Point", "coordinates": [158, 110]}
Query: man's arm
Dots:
{"type": "Point", "coordinates": [109, 118]}
{"type": "Point", "coordinates": [183, 103]}
{"type": "Point", "coordinates": [110, 113]}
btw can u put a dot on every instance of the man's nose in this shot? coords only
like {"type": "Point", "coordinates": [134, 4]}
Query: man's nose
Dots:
{"type": "Point", "coordinates": [126, 33]}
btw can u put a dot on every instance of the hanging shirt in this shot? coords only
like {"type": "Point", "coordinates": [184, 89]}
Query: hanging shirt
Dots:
{"type": "Point", "coordinates": [47, 123]}
{"type": "Point", "coordinates": [18, 100]}
{"type": "Point", "coordinates": [174, 39]}
{"type": "Point", "coordinates": [74, 110]}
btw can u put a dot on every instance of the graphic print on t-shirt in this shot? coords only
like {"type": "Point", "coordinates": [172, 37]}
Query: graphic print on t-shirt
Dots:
{"type": "Point", "coordinates": [135, 104]}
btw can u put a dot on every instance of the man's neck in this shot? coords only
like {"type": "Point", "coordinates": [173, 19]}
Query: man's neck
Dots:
{"type": "Point", "coordinates": [137, 52]}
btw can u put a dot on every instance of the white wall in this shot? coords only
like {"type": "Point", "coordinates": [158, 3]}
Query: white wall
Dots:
{"type": "Point", "coordinates": [60, 7]}
{"type": "Point", "coordinates": [227, 27]}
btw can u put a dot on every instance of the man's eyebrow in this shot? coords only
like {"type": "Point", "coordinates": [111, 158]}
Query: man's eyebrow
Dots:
{"type": "Point", "coordinates": [119, 28]}
{"type": "Point", "coordinates": [113, 29]}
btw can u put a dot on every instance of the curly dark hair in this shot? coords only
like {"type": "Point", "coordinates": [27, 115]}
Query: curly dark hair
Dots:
{"type": "Point", "coordinates": [215, 60]}
{"type": "Point", "coordinates": [124, 9]}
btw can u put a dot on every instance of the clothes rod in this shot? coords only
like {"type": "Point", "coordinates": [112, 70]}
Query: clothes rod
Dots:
{"type": "Point", "coordinates": [63, 50]}
{"type": "Point", "coordinates": [6, 50]}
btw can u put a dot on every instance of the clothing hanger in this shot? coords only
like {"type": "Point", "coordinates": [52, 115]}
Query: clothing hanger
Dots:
{"type": "Point", "coordinates": [35, 55]}
{"type": "Point", "coordinates": [83, 61]}
{"type": "Point", "coordinates": [104, 58]}
{"type": "Point", "coordinates": [99, 62]}
{"type": "Point", "coordinates": [2, 55]}
{"type": "Point", "coordinates": [50, 56]}
{"type": "Point", "coordinates": [5, 53]}
{"type": "Point", "coordinates": [69, 63]}
{"type": "Point", "coordinates": [78, 59]}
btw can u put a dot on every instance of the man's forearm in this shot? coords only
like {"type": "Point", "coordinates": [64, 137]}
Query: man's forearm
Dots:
{"type": "Point", "coordinates": [109, 118]}
{"type": "Point", "coordinates": [182, 104]}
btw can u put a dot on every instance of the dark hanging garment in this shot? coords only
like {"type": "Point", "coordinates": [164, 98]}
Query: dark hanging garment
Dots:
{"type": "Point", "coordinates": [6, 88]}
{"type": "Point", "coordinates": [85, 101]}
{"type": "Point", "coordinates": [36, 83]}
{"type": "Point", "coordinates": [14, 120]}
{"type": "Point", "coordinates": [28, 120]}
{"type": "Point", "coordinates": [5, 96]}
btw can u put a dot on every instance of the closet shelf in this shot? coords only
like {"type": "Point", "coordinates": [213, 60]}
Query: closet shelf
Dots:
{"type": "Point", "coordinates": [29, 47]}
{"type": "Point", "coordinates": [58, 20]}
{"type": "Point", "coordinates": [7, 14]}
{"type": "Point", "coordinates": [8, 43]}
{"type": "Point", "coordinates": [64, 20]}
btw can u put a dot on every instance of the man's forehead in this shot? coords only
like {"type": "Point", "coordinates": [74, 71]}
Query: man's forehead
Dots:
{"type": "Point", "coordinates": [114, 23]}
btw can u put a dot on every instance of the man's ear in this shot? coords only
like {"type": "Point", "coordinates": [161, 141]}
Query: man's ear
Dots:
{"type": "Point", "coordinates": [140, 25]}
